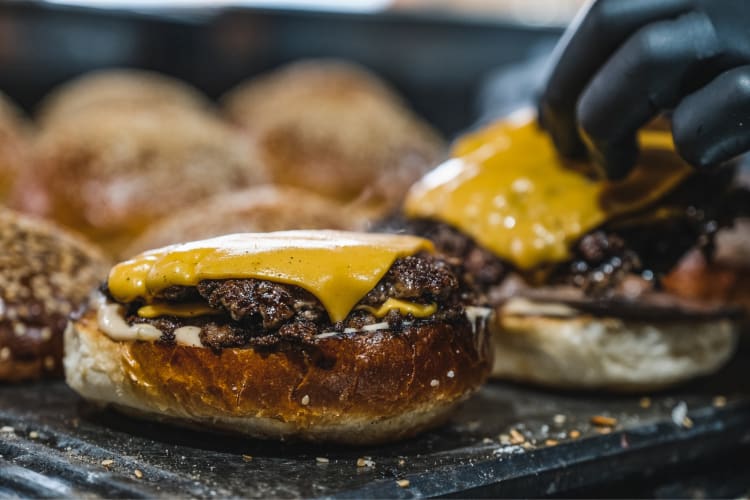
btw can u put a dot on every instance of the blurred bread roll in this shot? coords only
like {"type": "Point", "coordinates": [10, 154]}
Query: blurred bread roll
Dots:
{"type": "Point", "coordinates": [113, 88]}
{"type": "Point", "coordinates": [256, 209]}
{"type": "Point", "coordinates": [46, 273]}
{"type": "Point", "coordinates": [111, 172]}
{"type": "Point", "coordinates": [14, 146]}
{"type": "Point", "coordinates": [335, 128]}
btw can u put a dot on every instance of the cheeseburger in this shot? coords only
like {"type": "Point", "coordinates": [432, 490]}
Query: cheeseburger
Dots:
{"type": "Point", "coordinates": [315, 335]}
{"type": "Point", "coordinates": [572, 262]}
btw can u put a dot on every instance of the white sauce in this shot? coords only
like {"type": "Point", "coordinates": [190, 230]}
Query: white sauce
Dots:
{"type": "Point", "coordinates": [114, 326]}
{"type": "Point", "coordinates": [112, 323]}
{"type": "Point", "coordinates": [188, 335]}
{"type": "Point", "coordinates": [477, 315]}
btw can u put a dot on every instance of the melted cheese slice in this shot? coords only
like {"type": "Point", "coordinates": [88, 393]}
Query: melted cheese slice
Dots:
{"type": "Point", "coordinates": [403, 307]}
{"type": "Point", "coordinates": [337, 267]}
{"type": "Point", "coordinates": [508, 189]}
{"type": "Point", "coordinates": [178, 310]}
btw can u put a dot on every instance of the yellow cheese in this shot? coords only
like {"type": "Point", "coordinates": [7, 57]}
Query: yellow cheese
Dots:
{"type": "Point", "coordinates": [337, 267]}
{"type": "Point", "coordinates": [179, 310]}
{"type": "Point", "coordinates": [507, 188]}
{"type": "Point", "coordinates": [416, 310]}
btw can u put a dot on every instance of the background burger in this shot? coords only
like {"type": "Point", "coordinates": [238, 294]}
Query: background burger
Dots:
{"type": "Point", "coordinates": [572, 263]}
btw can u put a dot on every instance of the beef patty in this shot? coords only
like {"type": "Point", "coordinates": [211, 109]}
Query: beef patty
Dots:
{"type": "Point", "coordinates": [252, 312]}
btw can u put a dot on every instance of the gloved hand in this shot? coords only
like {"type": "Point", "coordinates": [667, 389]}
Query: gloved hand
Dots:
{"type": "Point", "coordinates": [622, 62]}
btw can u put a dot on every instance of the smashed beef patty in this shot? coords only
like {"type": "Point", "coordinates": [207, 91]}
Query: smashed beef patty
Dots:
{"type": "Point", "coordinates": [254, 312]}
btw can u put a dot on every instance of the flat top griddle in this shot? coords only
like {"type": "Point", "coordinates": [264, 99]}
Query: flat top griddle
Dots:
{"type": "Point", "coordinates": [508, 440]}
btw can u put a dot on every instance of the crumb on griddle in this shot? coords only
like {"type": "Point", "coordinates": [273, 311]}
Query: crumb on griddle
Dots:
{"type": "Point", "coordinates": [603, 421]}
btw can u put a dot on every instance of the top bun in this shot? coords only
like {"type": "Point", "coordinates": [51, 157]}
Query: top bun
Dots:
{"type": "Point", "coordinates": [254, 210]}
{"type": "Point", "coordinates": [111, 172]}
{"type": "Point", "coordinates": [117, 88]}
{"type": "Point", "coordinates": [336, 129]}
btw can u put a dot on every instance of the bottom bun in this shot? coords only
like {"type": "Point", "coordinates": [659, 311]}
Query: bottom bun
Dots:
{"type": "Point", "coordinates": [356, 389]}
{"type": "Point", "coordinates": [606, 353]}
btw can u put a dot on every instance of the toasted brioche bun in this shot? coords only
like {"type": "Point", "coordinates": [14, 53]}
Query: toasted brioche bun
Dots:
{"type": "Point", "coordinates": [256, 209]}
{"type": "Point", "coordinates": [111, 173]}
{"type": "Point", "coordinates": [45, 274]}
{"type": "Point", "coordinates": [358, 389]}
{"type": "Point", "coordinates": [607, 353]}
{"type": "Point", "coordinates": [15, 147]}
{"type": "Point", "coordinates": [116, 88]}
{"type": "Point", "coordinates": [336, 129]}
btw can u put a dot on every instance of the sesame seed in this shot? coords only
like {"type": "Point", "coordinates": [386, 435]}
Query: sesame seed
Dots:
{"type": "Point", "coordinates": [551, 442]}
{"type": "Point", "coordinates": [7, 429]}
{"type": "Point", "coordinates": [33, 435]}
{"type": "Point", "coordinates": [719, 401]}
{"type": "Point", "coordinates": [645, 403]}
{"type": "Point", "coordinates": [679, 412]}
{"type": "Point", "coordinates": [365, 462]}
{"type": "Point", "coordinates": [322, 460]}
{"type": "Point", "coordinates": [5, 354]}
{"type": "Point", "coordinates": [305, 400]}
{"type": "Point", "coordinates": [559, 419]}
{"type": "Point", "coordinates": [602, 421]}
{"type": "Point", "coordinates": [138, 473]}
{"type": "Point", "coordinates": [434, 382]}
{"type": "Point", "coordinates": [403, 483]}
{"type": "Point", "coordinates": [574, 434]}
{"type": "Point", "coordinates": [451, 374]}
{"type": "Point", "coordinates": [107, 462]}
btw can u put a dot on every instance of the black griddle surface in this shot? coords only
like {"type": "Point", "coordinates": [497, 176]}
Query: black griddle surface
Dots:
{"type": "Point", "coordinates": [54, 444]}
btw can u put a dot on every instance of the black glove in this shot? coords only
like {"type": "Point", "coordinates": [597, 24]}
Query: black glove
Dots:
{"type": "Point", "coordinates": [622, 62]}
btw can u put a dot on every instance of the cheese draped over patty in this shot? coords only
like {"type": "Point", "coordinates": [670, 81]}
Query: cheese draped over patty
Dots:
{"type": "Point", "coordinates": [339, 268]}
{"type": "Point", "coordinates": [507, 188]}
